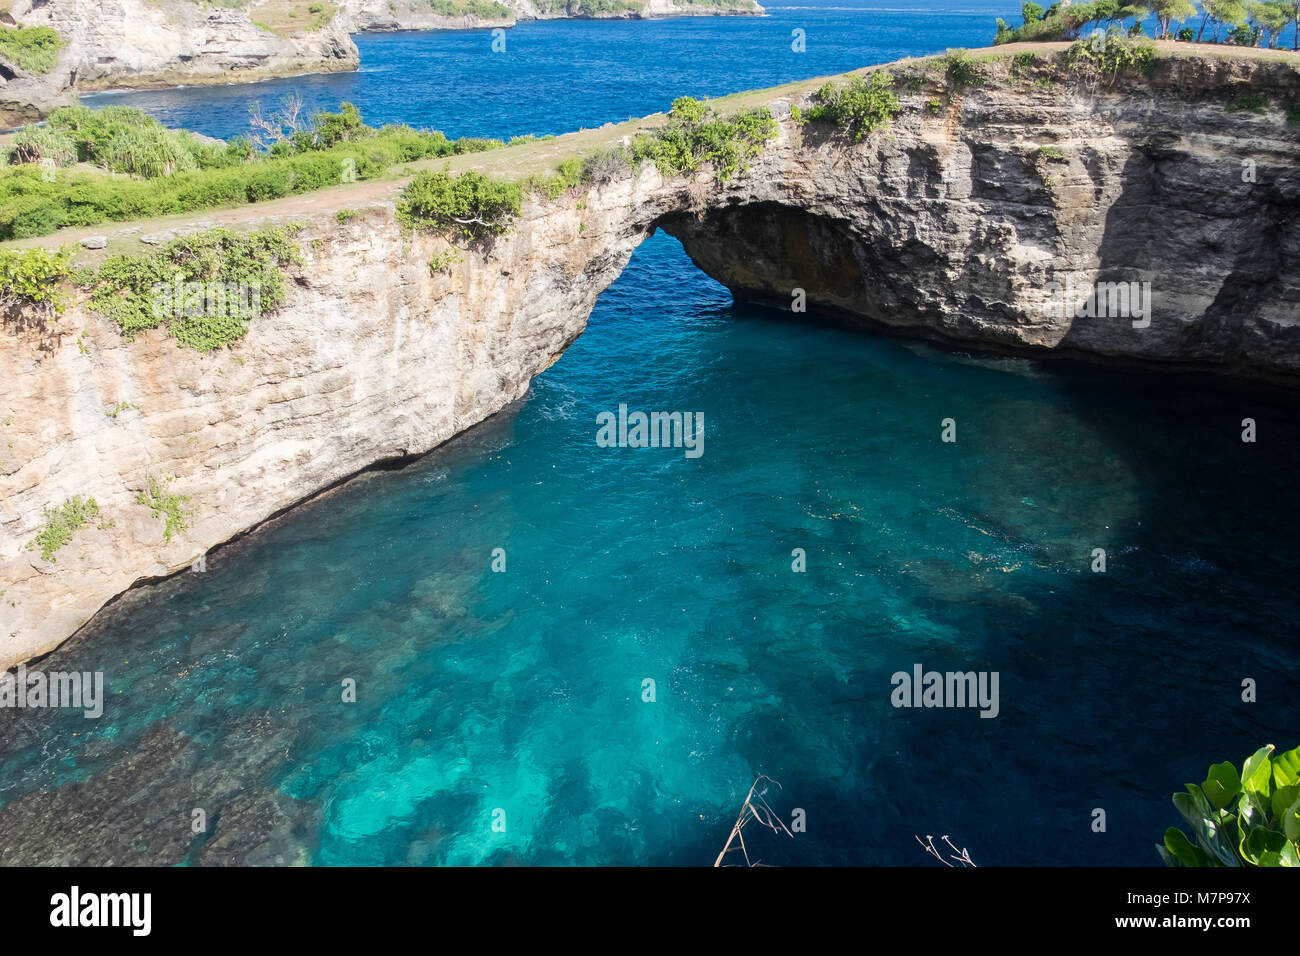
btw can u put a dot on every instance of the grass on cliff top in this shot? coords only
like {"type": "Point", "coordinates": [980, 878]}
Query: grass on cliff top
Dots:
{"type": "Point", "coordinates": [477, 205]}
{"type": "Point", "coordinates": [34, 49]}
{"type": "Point", "coordinates": [287, 17]}
{"type": "Point", "coordinates": [60, 175]}
{"type": "Point", "coordinates": [540, 158]}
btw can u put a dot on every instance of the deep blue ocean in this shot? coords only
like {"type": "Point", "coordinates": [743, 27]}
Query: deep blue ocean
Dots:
{"type": "Point", "coordinates": [518, 696]}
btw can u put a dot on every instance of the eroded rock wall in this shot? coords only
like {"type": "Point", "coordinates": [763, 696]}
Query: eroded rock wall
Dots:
{"type": "Point", "coordinates": [143, 43]}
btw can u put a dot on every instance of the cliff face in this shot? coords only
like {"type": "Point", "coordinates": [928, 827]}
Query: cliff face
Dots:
{"type": "Point", "coordinates": [381, 15]}
{"type": "Point", "coordinates": [469, 14]}
{"type": "Point", "coordinates": [970, 220]}
{"type": "Point", "coordinates": [140, 43]}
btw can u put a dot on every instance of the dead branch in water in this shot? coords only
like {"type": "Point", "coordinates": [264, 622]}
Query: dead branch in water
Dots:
{"type": "Point", "coordinates": [962, 856]}
{"type": "Point", "coordinates": [757, 808]}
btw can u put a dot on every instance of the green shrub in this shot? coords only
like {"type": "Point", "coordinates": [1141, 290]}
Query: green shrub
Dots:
{"type": "Point", "coordinates": [604, 164]}
{"type": "Point", "coordinates": [164, 505]}
{"type": "Point", "coordinates": [35, 144]}
{"type": "Point", "coordinates": [568, 174]}
{"type": "Point", "coordinates": [206, 288]}
{"type": "Point", "coordinates": [33, 277]}
{"type": "Point", "coordinates": [445, 260]}
{"type": "Point", "coordinates": [1058, 25]}
{"type": "Point", "coordinates": [1023, 63]}
{"type": "Point", "coordinates": [960, 69]}
{"type": "Point", "coordinates": [1110, 58]}
{"type": "Point", "coordinates": [695, 135]}
{"type": "Point", "coordinates": [1250, 818]}
{"type": "Point", "coordinates": [61, 522]}
{"type": "Point", "coordinates": [34, 49]}
{"type": "Point", "coordinates": [1249, 102]}
{"type": "Point", "coordinates": [190, 175]}
{"type": "Point", "coordinates": [1293, 114]}
{"type": "Point", "coordinates": [115, 410]}
{"type": "Point", "coordinates": [148, 151]}
{"type": "Point", "coordinates": [471, 203]}
{"type": "Point", "coordinates": [860, 107]}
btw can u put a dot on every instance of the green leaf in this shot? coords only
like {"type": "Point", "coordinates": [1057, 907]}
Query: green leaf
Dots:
{"type": "Point", "coordinates": [1291, 822]}
{"type": "Point", "coordinates": [1181, 850]}
{"type": "Point", "coordinates": [1282, 798]}
{"type": "Point", "coordinates": [1286, 768]}
{"type": "Point", "coordinates": [1257, 773]}
{"type": "Point", "coordinates": [1222, 784]}
{"type": "Point", "coordinates": [1264, 847]}
{"type": "Point", "coordinates": [1205, 823]}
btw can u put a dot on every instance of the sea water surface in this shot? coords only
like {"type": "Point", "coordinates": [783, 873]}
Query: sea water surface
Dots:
{"type": "Point", "coordinates": [505, 717]}
{"type": "Point", "coordinates": [556, 76]}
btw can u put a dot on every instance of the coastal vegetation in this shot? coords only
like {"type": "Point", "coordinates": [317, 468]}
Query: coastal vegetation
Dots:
{"type": "Point", "coordinates": [858, 107]}
{"type": "Point", "coordinates": [1107, 61]}
{"type": "Point", "coordinates": [477, 206]}
{"type": "Point", "coordinates": [170, 507]}
{"type": "Point", "coordinates": [695, 135]}
{"type": "Point", "coordinates": [32, 280]}
{"type": "Point", "coordinates": [480, 9]}
{"type": "Point", "coordinates": [179, 285]}
{"type": "Point", "coordinates": [34, 49]}
{"type": "Point", "coordinates": [169, 172]}
{"type": "Point", "coordinates": [1237, 22]}
{"type": "Point", "coordinates": [61, 522]}
{"type": "Point", "coordinates": [472, 204]}
{"type": "Point", "coordinates": [1251, 818]}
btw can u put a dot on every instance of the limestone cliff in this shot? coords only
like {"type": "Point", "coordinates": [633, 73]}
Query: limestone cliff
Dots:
{"type": "Point", "coordinates": [968, 218]}
{"type": "Point", "coordinates": [466, 14]}
{"type": "Point", "coordinates": [141, 43]}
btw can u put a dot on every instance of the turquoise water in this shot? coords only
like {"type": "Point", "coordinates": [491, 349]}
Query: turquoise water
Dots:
{"type": "Point", "coordinates": [522, 691]}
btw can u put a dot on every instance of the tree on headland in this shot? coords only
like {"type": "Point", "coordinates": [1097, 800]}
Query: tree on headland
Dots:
{"type": "Point", "coordinates": [1268, 18]}
{"type": "Point", "coordinates": [1167, 11]}
{"type": "Point", "coordinates": [1220, 12]}
{"type": "Point", "coordinates": [1249, 22]}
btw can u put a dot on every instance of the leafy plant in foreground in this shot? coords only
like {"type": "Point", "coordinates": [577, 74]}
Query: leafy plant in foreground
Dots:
{"type": "Point", "coordinates": [1251, 818]}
